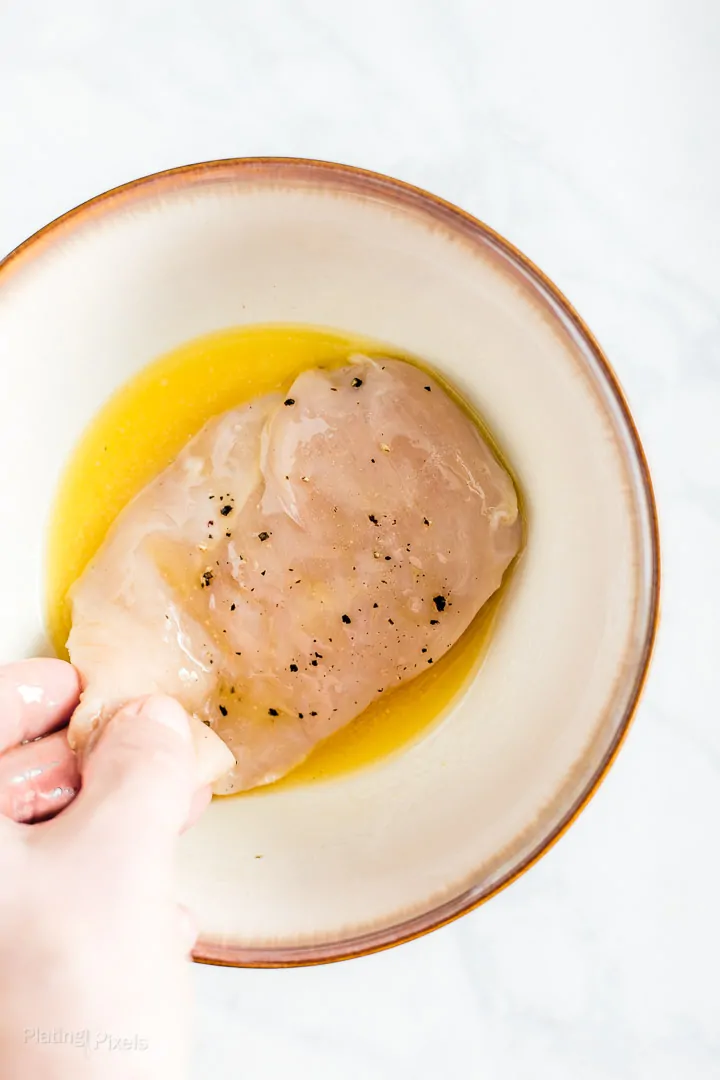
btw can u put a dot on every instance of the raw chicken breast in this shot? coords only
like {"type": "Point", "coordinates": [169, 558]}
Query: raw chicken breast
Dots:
{"type": "Point", "coordinates": [301, 556]}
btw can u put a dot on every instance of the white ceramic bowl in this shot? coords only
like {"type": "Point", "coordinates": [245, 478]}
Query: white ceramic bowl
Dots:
{"type": "Point", "coordinates": [383, 854]}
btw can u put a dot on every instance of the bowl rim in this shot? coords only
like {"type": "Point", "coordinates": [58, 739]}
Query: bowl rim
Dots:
{"type": "Point", "coordinates": [399, 193]}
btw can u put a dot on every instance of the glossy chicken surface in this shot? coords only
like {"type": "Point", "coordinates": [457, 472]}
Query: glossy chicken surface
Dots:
{"type": "Point", "coordinates": [301, 556]}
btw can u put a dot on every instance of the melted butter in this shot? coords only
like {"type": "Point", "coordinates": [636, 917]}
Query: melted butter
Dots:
{"type": "Point", "coordinates": [143, 427]}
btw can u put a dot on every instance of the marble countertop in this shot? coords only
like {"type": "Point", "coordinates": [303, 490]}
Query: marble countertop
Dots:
{"type": "Point", "coordinates": [587, 133]}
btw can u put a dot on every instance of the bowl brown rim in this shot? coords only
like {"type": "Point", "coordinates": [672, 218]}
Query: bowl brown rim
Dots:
{"type": "Point", "coordinates": [397, 192]}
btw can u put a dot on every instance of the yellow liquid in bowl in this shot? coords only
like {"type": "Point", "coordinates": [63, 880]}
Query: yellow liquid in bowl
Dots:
{"type": "Point", "coordinates": [143, 427]}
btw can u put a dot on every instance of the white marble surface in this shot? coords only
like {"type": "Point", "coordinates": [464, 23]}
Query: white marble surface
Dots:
{"type": "Point", "coordinates": [588, 134]}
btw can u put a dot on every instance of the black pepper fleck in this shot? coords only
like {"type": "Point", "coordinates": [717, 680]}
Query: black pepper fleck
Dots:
{"type": "Point", "coordinates": [264, 536]}
{"type": "Point", "coordinates": [273, 712]}
{"type": "Point", "coordinates": [223, 710]}
{"type": "Point", "coordinates": [356, 382]}
{"type": "Point", "coordinates": [206, 579]}
{"type": "Point", "coordinates": [293, 667]}
{"type": "Point", "coordinates": [346, 619]}
{"type": "Point", "coordinates": [289, 401]}
{"type": "Point", "coordinates": [428, 387]}
{"type": "Point", "coordinates": [232, 607]}
{"type": "Point", "coordinates": [227, 509]}
{"type": "Point", "coordinates": [313, 714]}
{"type": "Point", "coordinates": [439, 602]}
{"type": "Point", "coordinates": [434, 622]}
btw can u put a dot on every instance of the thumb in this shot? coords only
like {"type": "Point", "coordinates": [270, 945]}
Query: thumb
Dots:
{"type": "Point", "coordinates": [139, 780]}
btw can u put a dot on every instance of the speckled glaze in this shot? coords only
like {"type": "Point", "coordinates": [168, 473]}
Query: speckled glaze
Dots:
{"type": "Point", "coordinates": [344, 867]}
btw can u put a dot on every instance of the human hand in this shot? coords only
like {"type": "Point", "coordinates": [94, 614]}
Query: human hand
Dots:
{"type": "Point", "coordinates": [94, 981]}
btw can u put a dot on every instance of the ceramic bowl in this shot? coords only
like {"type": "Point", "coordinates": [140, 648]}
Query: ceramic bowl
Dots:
{"type": "Point", "coordinates": [386, 853]}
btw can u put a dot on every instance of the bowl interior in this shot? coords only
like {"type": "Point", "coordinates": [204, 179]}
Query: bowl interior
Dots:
{"type": "Point", "coordinates": [363, 860]}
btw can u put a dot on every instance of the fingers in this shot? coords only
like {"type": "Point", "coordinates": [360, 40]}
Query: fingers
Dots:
{"type": "Point", "coordinates": [39, 779]}
{"type": "Point", "coordinates": [36, 696]}
{"type": "Point", "coordinates": [200, 802]}
{"type": "Point", "coordinates": [138, 782]}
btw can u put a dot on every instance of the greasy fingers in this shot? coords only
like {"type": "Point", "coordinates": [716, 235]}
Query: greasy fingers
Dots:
{"type": "Point", "coordinates": [36, 696]}
{"type": "Point", "coordinates": [38, 779]}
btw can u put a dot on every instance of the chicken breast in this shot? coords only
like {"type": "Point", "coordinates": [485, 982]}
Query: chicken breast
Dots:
{"type": "Point", "coordinates": [300, 557]}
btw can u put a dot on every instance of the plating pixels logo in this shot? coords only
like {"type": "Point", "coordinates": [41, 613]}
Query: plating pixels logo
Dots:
{"type": "Point", "coordinates": [85, 1039]}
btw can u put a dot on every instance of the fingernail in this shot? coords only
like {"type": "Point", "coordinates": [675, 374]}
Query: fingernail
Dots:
{"type": "Point", "coordinates": [167, 711]}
